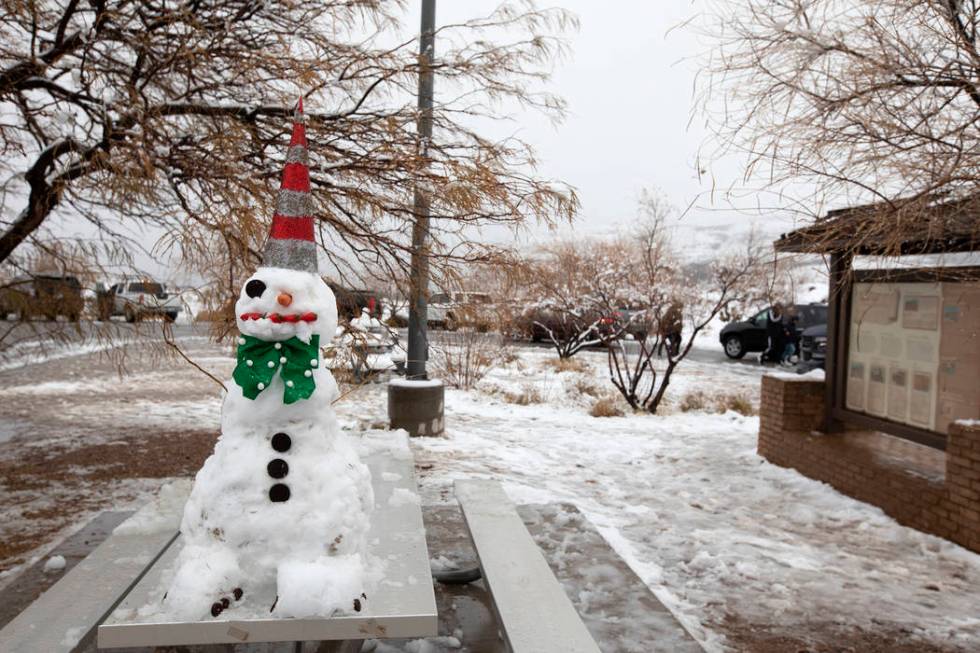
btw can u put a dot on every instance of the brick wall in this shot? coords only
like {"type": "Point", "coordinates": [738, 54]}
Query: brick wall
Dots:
{"type": "Point", "coordinates": [917, 486]}
{"type": "Point", "coordinates": [963, 484]}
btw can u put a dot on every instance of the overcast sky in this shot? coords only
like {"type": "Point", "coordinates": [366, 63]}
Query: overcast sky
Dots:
{"type": "Point", "coordinates": [629, 84]}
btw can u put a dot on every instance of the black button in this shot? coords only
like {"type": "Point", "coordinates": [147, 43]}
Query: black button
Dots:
{"type": "Point", "coordinates": [277, 468]}
{"type": "Point", "coordinates": [281, 442]}
{"type": "Point", "coordinates": [279, 493]}
{"type": "Point", "coordinates": [254, 288]}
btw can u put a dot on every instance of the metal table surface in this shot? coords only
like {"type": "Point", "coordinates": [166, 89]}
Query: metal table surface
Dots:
{"type": "Point", "coordinates": [404, 608]}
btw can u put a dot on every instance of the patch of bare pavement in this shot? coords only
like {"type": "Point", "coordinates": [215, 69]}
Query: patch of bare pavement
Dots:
{"type": "Point", "coordinates": [94, 426]}
{"type": "Point", "coordinates": [821, 636]}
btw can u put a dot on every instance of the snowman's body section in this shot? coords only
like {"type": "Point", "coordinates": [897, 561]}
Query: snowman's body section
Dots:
{"type": "Point", "coordinates": [284, 500]}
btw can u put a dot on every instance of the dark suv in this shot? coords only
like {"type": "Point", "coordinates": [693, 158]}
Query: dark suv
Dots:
{"type": "Point", "coordinates": [813, 348]}
{"type": "Point", "coordinates": [740, 338]}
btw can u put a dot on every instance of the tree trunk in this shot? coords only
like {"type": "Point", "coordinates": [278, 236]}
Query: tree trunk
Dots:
{"type": "Point", "coordinates": [657, 398]}
{"type": "Point", "coordinates": [42, 200]}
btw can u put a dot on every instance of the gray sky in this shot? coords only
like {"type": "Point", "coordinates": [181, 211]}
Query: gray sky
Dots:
{"type": "Point", "coordinates": [629, 84]}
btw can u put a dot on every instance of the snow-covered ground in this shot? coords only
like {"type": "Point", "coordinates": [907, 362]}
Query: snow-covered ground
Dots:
{"type": "Point", "coordinates": [711, 527]}
{"type": "Point", "coordinates": [716, 532]}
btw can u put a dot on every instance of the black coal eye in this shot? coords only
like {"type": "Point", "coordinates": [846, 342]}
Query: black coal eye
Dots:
{"type": "Point", "coordinates": [254, 288]}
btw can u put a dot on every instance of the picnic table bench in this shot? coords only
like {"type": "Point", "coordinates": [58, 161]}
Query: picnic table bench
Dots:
{"type": "Point", "coordinates": [534, 612]}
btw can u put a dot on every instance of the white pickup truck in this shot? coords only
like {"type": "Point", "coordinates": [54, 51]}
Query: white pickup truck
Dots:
{"type": "Point", "coordinates": [138, 299]}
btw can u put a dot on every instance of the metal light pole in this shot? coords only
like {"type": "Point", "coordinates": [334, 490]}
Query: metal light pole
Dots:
{"type": "Point", "coordinates": [416, 404]}
{"type": "Point", "coordinates": [418, 345]}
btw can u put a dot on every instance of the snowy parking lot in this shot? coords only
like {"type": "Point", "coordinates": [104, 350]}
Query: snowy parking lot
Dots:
{"type": "Point", "coordinates": [749, 556]}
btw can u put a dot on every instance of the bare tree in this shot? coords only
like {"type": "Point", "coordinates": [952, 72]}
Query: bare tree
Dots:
{"type": "Point", "coordinates": [858, 100]}
{"type": "Point", "coordinates": [683, 304]}
{"type": "Point", "coordinates": [159, 126]}
{"type": "Point", "coordinates": [574, 291]}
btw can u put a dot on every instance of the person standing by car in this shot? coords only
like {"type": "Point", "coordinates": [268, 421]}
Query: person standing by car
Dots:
{"type": "Point", "coordinates": [775, 335]}
{"type": "Point", "coordinates": [792, 338]}
{"type": "Point", "coordinates": [670, 329]}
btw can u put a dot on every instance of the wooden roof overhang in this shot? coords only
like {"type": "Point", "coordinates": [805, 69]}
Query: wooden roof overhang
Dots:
{"type": "Point", "coordinates": [902, 228]}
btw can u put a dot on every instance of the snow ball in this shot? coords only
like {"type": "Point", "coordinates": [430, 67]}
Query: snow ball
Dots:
{"type": "Point", "coordinates": [442, 563]}
{"type": "Point", "coordinates": [261, 386]}
{"type": "Point", "coordinates": [272, 363]}
{"type": "Point", "coordinates": [432, 645]}
{"type": "Point", "coordinates": [282, 359]}
{"type": "Point", "coordinates": [313, 362]}
{"type": "Point", "coordinates": [241, 341]}
{"type": "Point", "coordinates": [249, 363]}
{"type": "Point", "coordinates": [278, 345]}
{"type": "Point", "coordinates": [289, 384]}
{"type": "Point", "coordinates": [321, 587]}
{"type": "Point", "coordinates": [54, 563]}
{"type": "Point", "coordinates": [307, 373]}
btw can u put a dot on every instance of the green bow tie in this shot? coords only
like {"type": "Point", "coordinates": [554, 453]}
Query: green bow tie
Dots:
{"type": "Point", "coordinates": [258, 361]}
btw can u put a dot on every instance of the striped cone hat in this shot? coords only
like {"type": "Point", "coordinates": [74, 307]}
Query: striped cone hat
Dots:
{"type": "Point", "coordinates": [291, 243]}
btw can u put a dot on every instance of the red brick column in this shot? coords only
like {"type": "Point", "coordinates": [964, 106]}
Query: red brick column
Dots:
{"type": "Point", "coordinates": [963, 483]}
{"type": "Point", "coordinates": [788, 408]}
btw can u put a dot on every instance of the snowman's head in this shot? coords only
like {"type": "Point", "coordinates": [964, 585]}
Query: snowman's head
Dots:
{"type": "Point", "coordinates": [277, 304]}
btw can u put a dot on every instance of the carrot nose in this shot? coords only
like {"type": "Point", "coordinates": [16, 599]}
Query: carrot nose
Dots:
{"type": "Point", "coordinates": [284, 299]}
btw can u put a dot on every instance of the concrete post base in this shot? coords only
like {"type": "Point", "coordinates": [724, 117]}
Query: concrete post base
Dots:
{"type": "Point", "coordinates": [416, 406]}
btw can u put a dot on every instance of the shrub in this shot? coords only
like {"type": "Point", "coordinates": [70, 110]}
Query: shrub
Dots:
{"type": "Point", "coordinates": [466, 356]}
{"type": "Point", "coordinates": [526, 396]}
{"type": "Point", "coordinates": [694, 401]}
{"type": "Point", "coordinates": [739, 403]}
{"type": "Point", "coordinates": [586, 388]}
{"type": "Point", "coordinates": [606, 407]}
{"type": "Point", "coordinates": [567, 365]}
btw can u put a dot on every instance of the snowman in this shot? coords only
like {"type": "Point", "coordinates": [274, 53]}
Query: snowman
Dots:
{"type": "Point", "coordinates": [278, 516]}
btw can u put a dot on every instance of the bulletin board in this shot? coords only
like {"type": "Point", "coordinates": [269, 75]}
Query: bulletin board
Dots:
{"type": "Point", "coordinates": [913, 354]}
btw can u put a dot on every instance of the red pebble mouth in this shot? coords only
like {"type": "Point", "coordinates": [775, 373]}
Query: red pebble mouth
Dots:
{"type": "Point", "coordinates": [276, 318]}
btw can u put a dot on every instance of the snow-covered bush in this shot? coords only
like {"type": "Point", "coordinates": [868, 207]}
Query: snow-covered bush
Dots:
{"type": "Point", "coordinates": [576, 294]}
{"type": "Point", "coordinates": [679, 303]}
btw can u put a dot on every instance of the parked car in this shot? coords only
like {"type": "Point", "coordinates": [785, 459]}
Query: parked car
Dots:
{"type": "Point", "coordinates": [43, 295]}
{"type": "Point", "coordinates": [451, 310]}
{"type": "Point", "coordinates": [350, 302]}
{"type": "Point", "coordinates": [636, 322]}
{"type": "Point", "coordinates": [813, 348]}
{"type": "Point", "coordinates": [538, 323]}
{"type": "Point", "coordinates": [740, 338]}
{"type": "Point", "coordinates": [136, 300]}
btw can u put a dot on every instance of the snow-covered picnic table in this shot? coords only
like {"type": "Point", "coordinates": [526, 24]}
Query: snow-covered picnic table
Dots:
{"type": "Point", "coordinates": [403, 605]}
{"type": "Point", "coordinates": [119, 585]}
